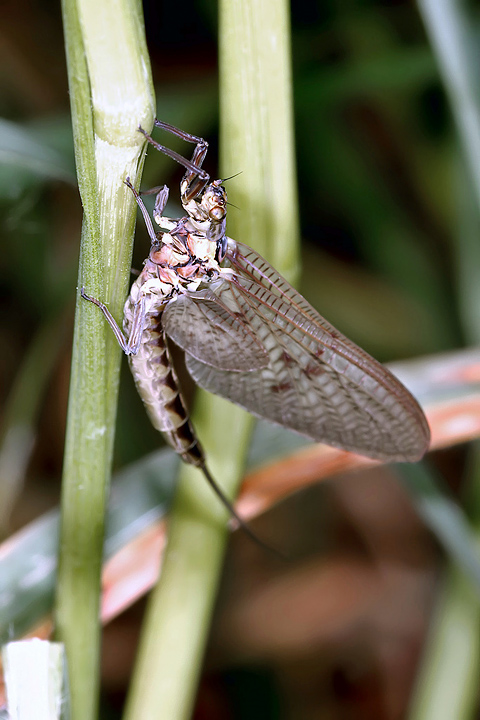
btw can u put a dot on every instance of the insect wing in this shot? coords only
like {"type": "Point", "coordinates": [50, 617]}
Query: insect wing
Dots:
{"type": "Point", "coordinates": [214, 331]}
{"type": "Point", "coordinates": [317, 382]}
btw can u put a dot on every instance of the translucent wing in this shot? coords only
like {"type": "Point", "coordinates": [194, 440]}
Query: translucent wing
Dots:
{"type": "Point", "coordinates": [316, 382]}
{"type": "Point", "coordinates": [213, 331]}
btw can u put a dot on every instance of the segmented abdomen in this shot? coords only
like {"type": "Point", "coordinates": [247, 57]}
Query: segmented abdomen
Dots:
{"type": "Point", "coordinates": [158, 386]}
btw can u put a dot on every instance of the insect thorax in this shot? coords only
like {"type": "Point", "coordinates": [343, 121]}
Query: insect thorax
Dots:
{"type": "Point", "coordinates": [183, 259]}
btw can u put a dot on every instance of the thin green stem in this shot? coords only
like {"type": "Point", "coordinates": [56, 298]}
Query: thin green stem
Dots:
{"type": "Point", "coordinates": [454, 39]}
{"type": "Point", "coordinates": [111, 95]}
{"type": "Point", "coordinates": [447, 683]}
{"type": "Point", "coordinates": [447, 686]}
{"type": "Point", "coordinates": [21, 412]}
{"type": "Point", "coordinates": [448, 680]}
{"type": "Point", "coordinates": [257, 139]}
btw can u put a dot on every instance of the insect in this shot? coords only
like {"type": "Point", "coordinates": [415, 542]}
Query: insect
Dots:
{"type": "Point", "coordinates": [248, 336]}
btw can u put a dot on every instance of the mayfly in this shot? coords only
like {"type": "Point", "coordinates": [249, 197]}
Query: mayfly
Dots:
{"type": "Point", "coordinates": [248, 336]}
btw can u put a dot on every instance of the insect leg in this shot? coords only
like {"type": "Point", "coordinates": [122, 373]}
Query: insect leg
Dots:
{"type": "Point", "coordinates": [146, 216]}
{"type": "Point", "coordinates": [161, 192]}
{"type": "Point", "coordinates": [180, 133]}
{"type": "Point", "coordinates": [201, 145]}
{"type": "Point", "coordinates": [160, 202]}
{"type": "Point", "coordinates": [130, 346]}
{"type": "Point", "coordinates": [193, 166]}
{"type": "Point", "coordinates": [159, 207]}
{"type": "Point", "coordinates": [196, 177]}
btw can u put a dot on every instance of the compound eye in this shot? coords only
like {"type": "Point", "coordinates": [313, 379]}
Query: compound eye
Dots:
{"type": "Point", "coordinates": [217, 213]}
{"type": "Point", "coordinates": [221, 249]}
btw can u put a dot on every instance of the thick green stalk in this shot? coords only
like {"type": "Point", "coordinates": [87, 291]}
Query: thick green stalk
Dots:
{"type": "Point", "coordinates": [111, 94]}
{"type": "Point", "coordinates": [257, 139]}
{"type": "Point", "coordinates": [256, 130]}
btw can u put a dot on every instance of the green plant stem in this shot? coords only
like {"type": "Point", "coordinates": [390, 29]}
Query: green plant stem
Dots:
{"type": "Point", "coordinates": [257, 139]}
{"type": "Point", "coordinates": [111, 94]}
{"type": "Point", "coordinates": [454, 39]}
{"type": "Point", "coordinates": [447, 683]}
{"type": "Point", "coordinates": [256, 129]}
{"type": "Point", "coordinates": [177, 621]}
{"type": "Point", "coordinates": [448, 680]}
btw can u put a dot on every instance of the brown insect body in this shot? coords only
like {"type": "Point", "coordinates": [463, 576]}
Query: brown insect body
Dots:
{"type": "Point", "coordinates": [250, 337]}
{"type": "Point", "coordinates": [178, 264]}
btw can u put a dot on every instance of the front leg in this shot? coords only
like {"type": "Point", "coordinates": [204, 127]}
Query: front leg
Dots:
{"type": "Point", "coordinates": [160, 202]}
{"type": "Point", "coordinates": [196, 178]}
{"type": "Point", "coordinates": [130, 346]}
